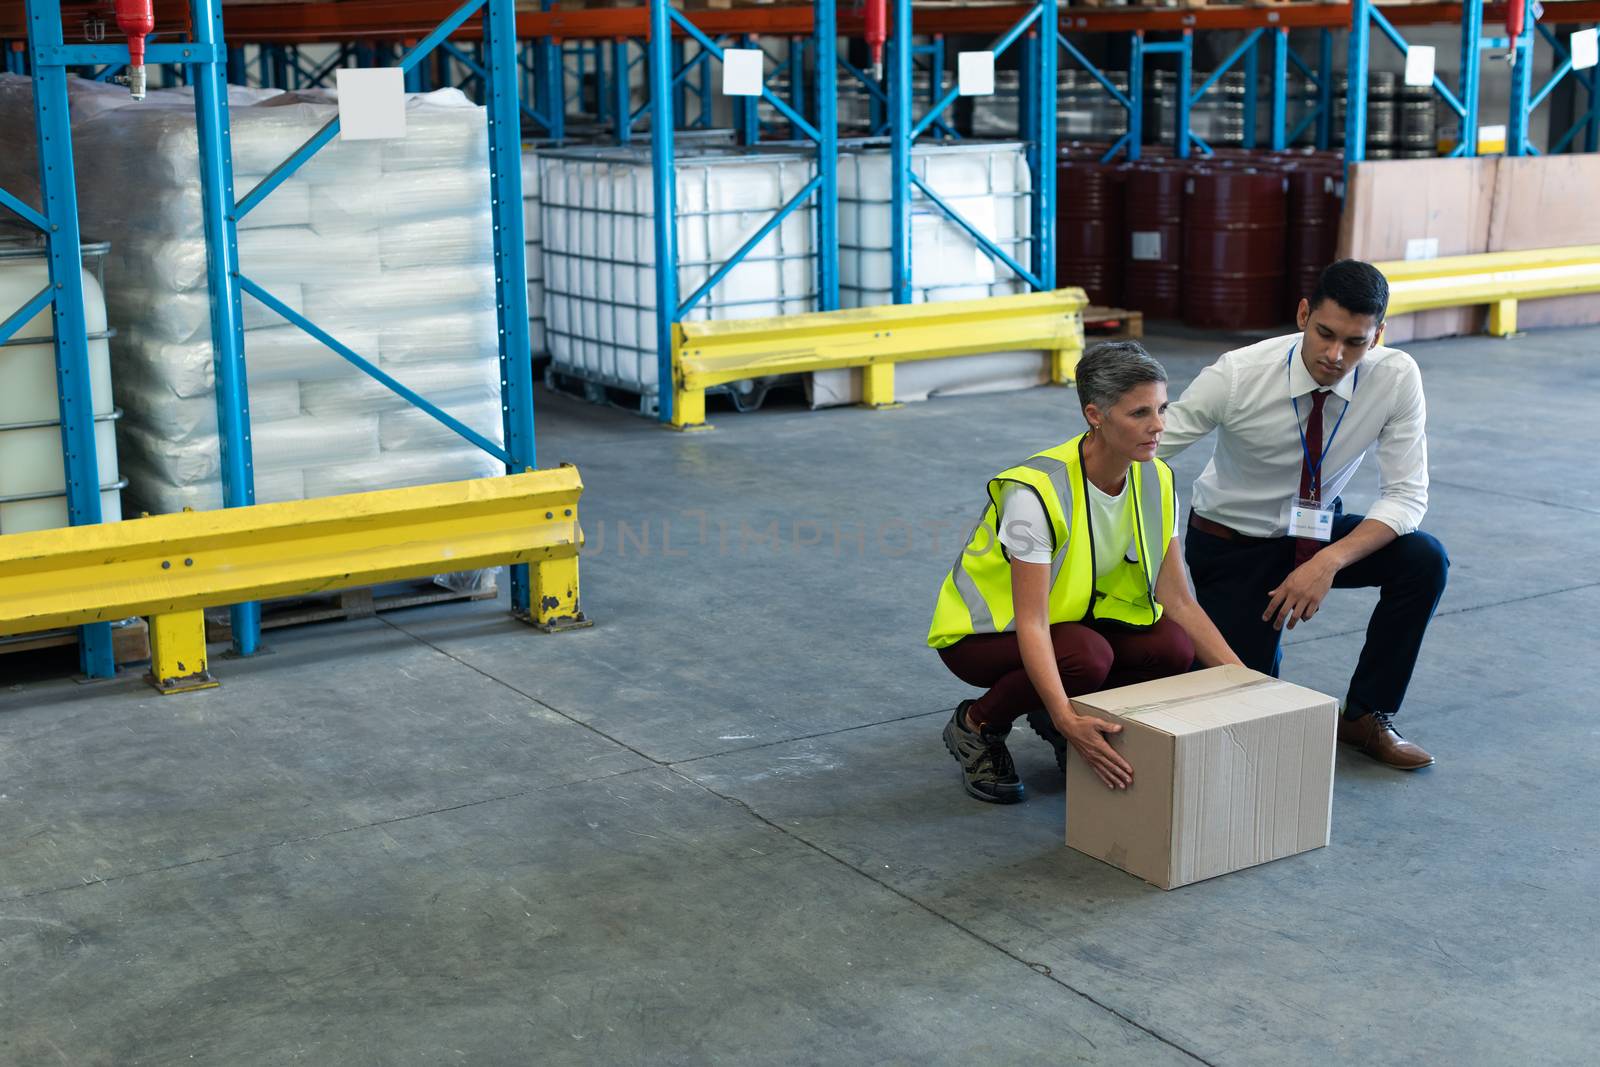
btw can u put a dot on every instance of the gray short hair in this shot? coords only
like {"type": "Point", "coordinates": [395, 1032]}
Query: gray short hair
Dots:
{"type": "Point", "coordinates": [1109, 369]}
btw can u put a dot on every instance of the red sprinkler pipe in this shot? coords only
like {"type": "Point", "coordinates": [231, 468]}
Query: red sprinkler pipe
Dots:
{"type": "Point", "coordinates": [136, 19]}
{"type": "Point", "coordinates": [877, 31]}
{"type": "Point", "coordinates": [1515, 10]}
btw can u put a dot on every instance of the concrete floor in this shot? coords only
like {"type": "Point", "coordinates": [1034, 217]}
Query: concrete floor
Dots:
{"type": "Point", "coordinates": [720, 826]}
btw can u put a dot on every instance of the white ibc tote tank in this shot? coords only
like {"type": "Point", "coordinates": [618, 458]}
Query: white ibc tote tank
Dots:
{"type": "Point", "coordinates": [600, 258]}
{"type": "Point", "coordinates": [989, 183]}
{"type": "Point", "coordinates": [32, 474]}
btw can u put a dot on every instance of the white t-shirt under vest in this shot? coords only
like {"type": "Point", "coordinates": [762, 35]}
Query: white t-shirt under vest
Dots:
{"type": "Point", "coordinates": [1025, 528]}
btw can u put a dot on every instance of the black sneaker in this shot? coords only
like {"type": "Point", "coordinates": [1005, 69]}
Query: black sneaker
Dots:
{"type": "Point", "coordinates": [986, 768]}
{"type": "Point", "coordinates": [1045, 727]}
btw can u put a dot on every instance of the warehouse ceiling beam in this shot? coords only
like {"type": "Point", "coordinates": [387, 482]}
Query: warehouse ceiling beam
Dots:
{"type": "Point", "coordinates": [396, 20]}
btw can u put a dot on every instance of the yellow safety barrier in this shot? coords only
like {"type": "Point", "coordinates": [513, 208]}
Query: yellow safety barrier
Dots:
{"type": "Point", "coordinates": [1498, 279]}
{"type": "Point", "coordinates": [874, 339]}
{"type": "Point", "coordinates": [170, 567]}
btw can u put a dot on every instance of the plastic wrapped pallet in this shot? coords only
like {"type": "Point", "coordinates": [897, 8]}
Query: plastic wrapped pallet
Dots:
{"type": "Point", "coordinates": [988, 183]}
{"type": "Point", "coordinates": [385, 245]}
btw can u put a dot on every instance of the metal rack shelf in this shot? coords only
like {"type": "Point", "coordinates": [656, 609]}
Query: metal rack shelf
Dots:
{"type": "Point", "coordinates": [208, 62]}
{"type": "Point", "coordinates": [678, 50]}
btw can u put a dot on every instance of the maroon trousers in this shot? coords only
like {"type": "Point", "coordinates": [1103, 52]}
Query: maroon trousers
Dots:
{"type": "Point", "coordinates": [1090, 655]}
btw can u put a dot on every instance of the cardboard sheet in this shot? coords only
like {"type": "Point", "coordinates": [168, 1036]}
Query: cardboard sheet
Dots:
{"type": "Point", "coordinates": [1391, 204]}
{"type": "Point", "coordinates": [1545, 202]}
{"type": "Point", "coordinates": [1399, 208]}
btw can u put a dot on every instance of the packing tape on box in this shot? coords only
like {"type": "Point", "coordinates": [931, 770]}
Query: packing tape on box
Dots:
{"type": "Point", "coordinates": [1189, 698]}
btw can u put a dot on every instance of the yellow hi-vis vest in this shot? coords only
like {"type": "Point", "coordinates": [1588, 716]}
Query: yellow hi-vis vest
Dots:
{"type": "Point", "coordinates": [976, 595]}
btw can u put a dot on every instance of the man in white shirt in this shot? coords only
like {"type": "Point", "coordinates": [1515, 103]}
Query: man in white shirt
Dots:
{"type": "Point", "coordinates": [1267, 538]}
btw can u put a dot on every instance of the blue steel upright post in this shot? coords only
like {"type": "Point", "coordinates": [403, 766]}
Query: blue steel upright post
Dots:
{"type": "Point", "coordinates": [1136, 96]}
{"type": "Point", "coordinates": [900, 153]}
{"type": "Point", "coordinates": [552, 73]}
{"type": "Point", "coordinates": [510, 266]}
{"type": "Point", "coordinates": [1252, 85]}
{"type": "Point", "coordinates": [746, 109]}
{"type": "Point", "coordinates": [222, 275]}
{"type": "Point", "coordinates": [1325, 88]}
{"type": "Point", "coordinates": [827, 115]}
{"type": "Point", "coordinates": [52, 121]}
{"type": "Point", "coordinates": [662, 170]}
{"type": "Point", "coordinates": [1471, 73]}
{"type": "Point", "coordinates": [1280, 89]}
{"type": "Point", "coordinates": [1185, 80]}
{"type": "Point", "coordinates": [622, 100]}
{"type": "Point", "coordinates": [1355, 115]}
{"type": "Point", "coordinates": [1521, 84]}
{"type": "Point", "coordinates": [1046, 91]}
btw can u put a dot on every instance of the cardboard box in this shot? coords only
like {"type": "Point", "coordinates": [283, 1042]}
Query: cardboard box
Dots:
{"type": "Point", "coordinates": [1231, 768]}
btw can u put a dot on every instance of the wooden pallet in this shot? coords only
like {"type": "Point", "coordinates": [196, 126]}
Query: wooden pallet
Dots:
{"type": "Point", "coordinates": [1112, 324]}
{"type": "Point", "coordinates": [360, 603]}
{"type": "Point", "coordinates": [129, 644]}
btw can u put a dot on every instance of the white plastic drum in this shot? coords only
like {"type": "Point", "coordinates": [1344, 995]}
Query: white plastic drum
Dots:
{"type": "Point", "coordinates": [988, 183]}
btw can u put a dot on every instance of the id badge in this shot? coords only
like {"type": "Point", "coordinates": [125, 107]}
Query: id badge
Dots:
{"type": "Point", "coordinates": [1310, 519]}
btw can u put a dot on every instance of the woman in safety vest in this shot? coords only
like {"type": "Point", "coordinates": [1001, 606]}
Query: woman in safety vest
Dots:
{"type": "Point", "coordinates": [1072, 582]}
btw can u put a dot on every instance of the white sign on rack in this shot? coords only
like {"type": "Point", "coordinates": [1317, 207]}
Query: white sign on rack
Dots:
{"type": "Point", "coordinates": [975, 73]}
{"type": "Point", "coordinates": [1419, 64]}
{"type": "Point", "coordinates": [1585, 48]}
{"type": "Point", "coordinates": [742, 72]}
{"type": "Point", "coordinates": [372, 103]}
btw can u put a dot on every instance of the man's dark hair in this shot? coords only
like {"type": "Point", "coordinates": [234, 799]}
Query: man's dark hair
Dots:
{"type": "Point", "coordinates": [1359, 288]}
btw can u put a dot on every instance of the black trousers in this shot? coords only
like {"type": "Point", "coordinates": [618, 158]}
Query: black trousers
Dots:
{"type": "Point", "coordinates": [1232, 580]}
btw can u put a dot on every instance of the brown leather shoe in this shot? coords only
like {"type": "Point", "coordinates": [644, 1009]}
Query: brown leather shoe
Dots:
{"type": "Point", "coordinates": [1375, 735]}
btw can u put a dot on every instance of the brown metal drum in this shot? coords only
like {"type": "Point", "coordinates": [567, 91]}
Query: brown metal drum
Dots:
{"type": "Point", "coordinates": [1315, 203]}
{"type": "Point", "coordinates": [1152, 272]}
{"type": "Point", "coordinates": [1089, 234]}
{"type": "Point", "coordinates": [1233, 242]}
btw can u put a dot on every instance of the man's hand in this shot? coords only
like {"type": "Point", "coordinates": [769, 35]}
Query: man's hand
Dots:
{"type": "Point", "coordinates": [1086, 734]}
{"type": "Point", "coordinates": [1301, 594]}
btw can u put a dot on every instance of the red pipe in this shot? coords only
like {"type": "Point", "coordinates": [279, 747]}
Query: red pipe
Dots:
{"type": "Point", "coordinates": [876, 17]}
{"type": "Point", "coordinates": [1514, 21]}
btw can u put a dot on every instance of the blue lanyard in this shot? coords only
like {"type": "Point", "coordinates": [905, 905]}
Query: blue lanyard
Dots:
{"type": "Point", "coordinates": [1305, 449]}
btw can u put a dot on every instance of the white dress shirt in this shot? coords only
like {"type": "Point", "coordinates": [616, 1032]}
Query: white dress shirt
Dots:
{"type": "Point", "coordinates": [1248, 397]}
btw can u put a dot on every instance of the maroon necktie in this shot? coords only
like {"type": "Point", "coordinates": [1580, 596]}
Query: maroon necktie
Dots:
{"type": "Point", "coordinates": [1311, 481]}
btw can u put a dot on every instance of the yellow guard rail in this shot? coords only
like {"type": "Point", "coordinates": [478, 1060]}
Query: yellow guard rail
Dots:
{"type": "Point", "coordinates": [171, 567]}
{"type": "Point", "coordinates": [1498, 279]}
{"type": "Point", "coordinates": [705, 354]}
